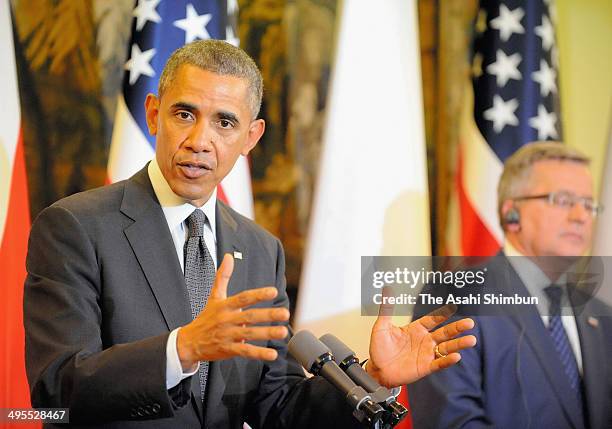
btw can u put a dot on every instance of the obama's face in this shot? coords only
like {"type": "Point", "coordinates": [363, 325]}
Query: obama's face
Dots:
{"type": "Point", "coordinates": [202, 123]}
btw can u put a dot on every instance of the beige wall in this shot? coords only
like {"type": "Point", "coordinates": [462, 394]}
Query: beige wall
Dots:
{"type": "Point", "coordinates": [584, 34]}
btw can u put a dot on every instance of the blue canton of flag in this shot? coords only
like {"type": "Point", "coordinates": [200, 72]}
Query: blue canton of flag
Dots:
{"type": "Point", "coordinates": [516, 94]}
{"type": "Point", "coordinates": [513, 100]}
{"type": "Point", "coordinates": [159, 28]}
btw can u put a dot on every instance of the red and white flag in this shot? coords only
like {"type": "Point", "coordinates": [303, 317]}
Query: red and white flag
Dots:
{"type": "Point", "coordinates": [372, 195]}
{"type": "Point", "coordinates": [14, 226]}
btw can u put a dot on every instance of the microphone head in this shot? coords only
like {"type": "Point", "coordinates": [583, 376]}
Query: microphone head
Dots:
{"type": "Point", "coordinates": [340, 350]}
{"type": "Point", "coordinates": [306, 349]}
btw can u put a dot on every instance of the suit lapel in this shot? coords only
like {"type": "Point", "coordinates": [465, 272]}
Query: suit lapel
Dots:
{"type": "Point", "coordinates": [544, 347]}
{"type": "Point", "coordinates": [591, 339]}
{"type": "Point", "coordinates": [228, 241]}
{"type": "Point", "coordinates": [152, 244]}
{"type": "Point", "coordinates": [530, 322]}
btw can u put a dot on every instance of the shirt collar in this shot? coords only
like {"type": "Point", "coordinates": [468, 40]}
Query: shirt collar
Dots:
{"type": "Point", "coordinates": [176, 209]}
{"type": "Point", "coordinates": [532, 276]}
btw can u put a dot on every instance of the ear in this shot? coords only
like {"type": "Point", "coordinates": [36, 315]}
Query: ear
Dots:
{"type": "Point", "coordinates": [506, 207]}
{"type": "Point", "coordinates": [152, 113]}
{"type": "Point", "coordinates": [256, 130]}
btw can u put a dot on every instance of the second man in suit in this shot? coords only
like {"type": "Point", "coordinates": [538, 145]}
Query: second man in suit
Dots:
{"type": "Point", "coordinates": [535, 366]}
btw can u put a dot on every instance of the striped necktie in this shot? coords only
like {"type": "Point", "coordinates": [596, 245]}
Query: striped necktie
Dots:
{"type": "Point", "coordinates": [561, 341]}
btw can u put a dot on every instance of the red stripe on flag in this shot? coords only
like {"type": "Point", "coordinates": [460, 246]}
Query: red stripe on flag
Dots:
{"type": "Point", "coordinates": [221, 195]}
{"type": "Point", "coordinates": [14, 391]}
{"type": "Point", "coordinates": [476, 239]}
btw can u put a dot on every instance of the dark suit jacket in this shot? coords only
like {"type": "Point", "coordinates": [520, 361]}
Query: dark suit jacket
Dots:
{"type": "Point", "coordinates": [513, 377]}
{"type": "Point", "coordinates": [103, 291]}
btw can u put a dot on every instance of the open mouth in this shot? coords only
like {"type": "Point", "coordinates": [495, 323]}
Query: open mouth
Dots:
{"type": "Point", "coordinates": [193, 170]}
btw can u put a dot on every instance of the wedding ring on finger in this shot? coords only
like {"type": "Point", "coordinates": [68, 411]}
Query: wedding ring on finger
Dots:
{"type": "Point", "coordinates": [438, 353]}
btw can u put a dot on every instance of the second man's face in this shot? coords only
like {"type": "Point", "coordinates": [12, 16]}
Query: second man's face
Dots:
{"type": "Point", "coordinates": [202, 123]}
{"type": "Point", "coordinates": [549, 230]}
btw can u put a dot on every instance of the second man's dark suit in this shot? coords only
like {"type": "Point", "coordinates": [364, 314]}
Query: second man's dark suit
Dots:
{"type": "Point", "coordinates": [514, 378]}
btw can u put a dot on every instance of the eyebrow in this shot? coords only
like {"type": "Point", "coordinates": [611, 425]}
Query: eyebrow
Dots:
{"type": "Point", "coordinates": [574, 194]}
{"type": "Point", "coordinates": [184, 106]}
{"type": "Point", "coordinates": [228, 116]}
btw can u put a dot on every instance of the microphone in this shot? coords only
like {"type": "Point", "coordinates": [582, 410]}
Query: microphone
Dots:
{"type": "Point", "coordinates": [313, 355]}
{"type": "Point", "coordinates": [350, 364]}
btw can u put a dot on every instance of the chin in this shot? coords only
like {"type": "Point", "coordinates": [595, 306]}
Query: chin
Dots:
{"type": "Point", "coordinates": [191, 194]}
{"type": "Point", "coordinates": [571, 251]}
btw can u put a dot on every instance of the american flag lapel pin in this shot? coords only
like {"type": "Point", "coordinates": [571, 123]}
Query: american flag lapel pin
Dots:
{"type": "Point", "coordinates": [237, 255]}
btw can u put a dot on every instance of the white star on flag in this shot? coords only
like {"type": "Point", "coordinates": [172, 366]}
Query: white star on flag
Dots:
{"type": "Point", "coordinates": [505, 67]}
{"type": "Point", "coordinates": [544, 123]}
{"type": "Point", "coordinates": [546, 32]}
{"type": "Point", "coordinates": [546, 78]}
{"type": "Point", "coordinates": [145, 11]}
{"type": "Point", "coordinates": [508, 22]}
{"type": "Point", "coordinates": [139, 63]}
{"type": "Point", "coordinates": [502, 113]}
{"type": "Point", "coordinates": [194, 25]}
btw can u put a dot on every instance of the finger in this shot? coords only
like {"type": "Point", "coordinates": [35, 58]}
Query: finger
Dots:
{"type": "Point", "coordinates": [451, 330]}
{"type": "Point", "coordinates": [456, 345]}
{"type": "Point", "coordinates": [257, 333]}
{"type": "Point", "coordinates": [385, 312]}
{"type": "Point", "coordinates": [250, 351]}
{"type": "Point", "coordinates": [250, 297]}
{"type": "Point", "coordinates": [444, 362]}
{"type": "Point", "coordinates": [219, 289]}
{"type": "Point", "coordinates": [437, 316]}
{"type": "Point", "coordinates": [258, 315]}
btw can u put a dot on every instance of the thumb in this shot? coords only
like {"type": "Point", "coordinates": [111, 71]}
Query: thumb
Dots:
{"type": "Point", "coordinates": [385, 311]}
{"type": "Point", "coordinates": [219, 289]}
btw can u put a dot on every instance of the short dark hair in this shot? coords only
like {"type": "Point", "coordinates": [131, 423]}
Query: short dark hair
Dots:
{"type": "Point", "coordinates": [218, 57]}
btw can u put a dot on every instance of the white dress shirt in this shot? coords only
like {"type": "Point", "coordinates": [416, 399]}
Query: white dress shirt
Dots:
{"type": "Point", "coordinates": [536, 281]}
{"type": "Point", "coordinates": [176, 210]}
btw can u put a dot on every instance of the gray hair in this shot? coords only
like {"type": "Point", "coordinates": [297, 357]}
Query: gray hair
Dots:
{"type": "Point", "coordinates": [218, 57]}
{"type": "Point", "coordinates": [517, 168]}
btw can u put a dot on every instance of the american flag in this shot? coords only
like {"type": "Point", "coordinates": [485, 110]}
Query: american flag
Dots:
{"type": "Point", "coordinates": [515, 101]}
{"type": "Point", "coordinates": [159, 27]}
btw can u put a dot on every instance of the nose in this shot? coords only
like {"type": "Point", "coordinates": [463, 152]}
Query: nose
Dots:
{"type": "Point", "coordinates": [201, 137]}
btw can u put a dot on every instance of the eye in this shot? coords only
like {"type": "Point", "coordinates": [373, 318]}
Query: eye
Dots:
{"type": "Point", "coordinates": [184, 115]}
{"type": "Point", "coordinates": [226, 123]}
{"type": "Point", "coordinates": [563, 199]}
{"type": "Point", "coordinates": [589, 205]}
